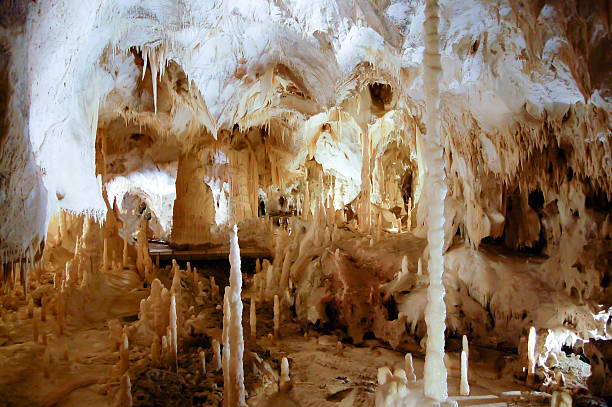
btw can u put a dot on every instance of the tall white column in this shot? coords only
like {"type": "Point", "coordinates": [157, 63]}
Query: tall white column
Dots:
{"type": "Point", "coordinates": [435, 376]}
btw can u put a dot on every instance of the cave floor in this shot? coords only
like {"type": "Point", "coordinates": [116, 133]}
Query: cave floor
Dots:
{"type": "Point", "coordinates": [83, 365]}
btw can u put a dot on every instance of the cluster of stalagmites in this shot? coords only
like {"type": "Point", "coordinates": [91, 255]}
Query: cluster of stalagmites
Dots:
{"type": "Point", "coordinates": [164, 321]}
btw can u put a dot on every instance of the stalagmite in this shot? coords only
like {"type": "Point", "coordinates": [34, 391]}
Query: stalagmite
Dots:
{"type": "Point", "coordinates": [46, 362]}
{"type": "Point", "coordinates": [214, 289]}
{"type": "Point", "coordinates": [383, 375]}
{"type": "Point", "coordinates": [105, 263]}
{"type": "Point", "coordinates": [125, 392]}
{"type": "Point", "coordinates": [16, 273]}
{"type": "Point", "coordinates": [164, 353]}
{"type": "Point", "coordinates": [216, 355]}
{"type": "Point", "coordinates": [306, 205]}
{"type": "Point", "coordinates": [464, 388]}
{"type": "Point", "coordinates": [276, 317]}
{"type": "Point", "coordinates": [253, 318]}
{"type": "Point", "coordinates": [409, 368]}
{"type": "Point", "coordinates": [270, 277]}
{"type": "Point", "coordinates": [400, 375]}
{"type": "Point", "coordinates": [61, 309]}
{"type": "Point", "coordinates": [156, 351]}
{"type": "Point", "coordinates": [203, 362]}
{"type": "Point", "coordinates": [124, 355]}
{"type": "Point", "coordinates": [143, 259]}
{"type": "Point", "coordinates": [531, 344]}
{"type": "Point", "coordinates": [173, 331]}
{"type": "Point", "coordinates": [435, 375]}
{"type": "Point", "coordinates": [561, 399]}
{"type": "Point", "coordinates": [465, 345]}
{"type": "Point", "coordinates": [339, 349]}
{"type": "Point", "coordinates": [284, 379]}
{"type": "Point", "coordinates": [225, 338]}
{"type": "Point", "coordinates": [125, 253]}
{"type": "Point", "coordinates": [24, 281]}
{"type": "Point", "coordinates": [237, 394]}
{"type": "Point", "coordinates": [404, 265]}
{"type": "Point", "coordinates": [365, 213]}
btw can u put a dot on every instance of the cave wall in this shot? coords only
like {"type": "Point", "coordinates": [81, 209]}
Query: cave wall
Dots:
{"type": "Point", "coordinates": [23, 196]}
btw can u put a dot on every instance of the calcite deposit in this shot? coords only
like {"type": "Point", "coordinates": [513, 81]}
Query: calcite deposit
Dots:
{"type": "Point", "coordinates": [412, 198]}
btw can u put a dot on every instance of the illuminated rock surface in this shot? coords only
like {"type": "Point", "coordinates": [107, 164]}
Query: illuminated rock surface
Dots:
{"type": "Point", "coordinates": [402, 177]}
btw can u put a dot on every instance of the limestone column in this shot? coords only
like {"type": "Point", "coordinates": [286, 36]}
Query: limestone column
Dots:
{"type": "Point", "coordinates": [194, 210]}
